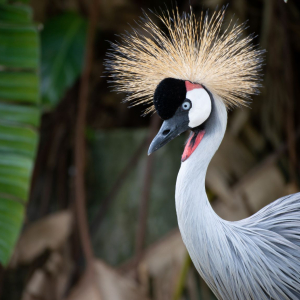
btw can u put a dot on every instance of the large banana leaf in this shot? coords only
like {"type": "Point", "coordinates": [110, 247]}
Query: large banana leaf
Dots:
{"type": "Point", "coordinates": [19, 118]}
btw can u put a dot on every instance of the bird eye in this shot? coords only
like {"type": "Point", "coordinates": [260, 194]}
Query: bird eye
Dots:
{"type": "Point", "coordinates": [186, 105]}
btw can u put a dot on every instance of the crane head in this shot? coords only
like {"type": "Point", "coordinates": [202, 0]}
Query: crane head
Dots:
{"type": "Point", "coordinates": [179, 64]}
{"type": "Point", "coordinates": [182, 105]}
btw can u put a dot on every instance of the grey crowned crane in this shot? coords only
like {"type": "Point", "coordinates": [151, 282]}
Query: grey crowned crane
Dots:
{"type": "Point", "coordinates": [190, 73]}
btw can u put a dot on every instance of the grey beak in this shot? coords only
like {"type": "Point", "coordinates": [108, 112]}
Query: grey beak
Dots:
{"type": "Point", "coordinates": [169, 130]}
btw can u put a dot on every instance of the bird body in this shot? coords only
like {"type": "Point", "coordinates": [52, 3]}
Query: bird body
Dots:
{"type": "Point", "coordinates": [255, 258]}
{"type": "Point", "coordinates": [193, 75]}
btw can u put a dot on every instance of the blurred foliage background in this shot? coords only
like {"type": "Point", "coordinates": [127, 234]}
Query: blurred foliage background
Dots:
{"type": "Point", "coordinates": [84, 212]}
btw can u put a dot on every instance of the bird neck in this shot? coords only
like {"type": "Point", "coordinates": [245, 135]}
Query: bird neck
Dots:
{"type": "Point", "coordinates": [192, 204]}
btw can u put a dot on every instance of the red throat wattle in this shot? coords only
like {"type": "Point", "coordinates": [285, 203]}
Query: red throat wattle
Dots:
{"type": "Point", "coordinates": [191, 145]}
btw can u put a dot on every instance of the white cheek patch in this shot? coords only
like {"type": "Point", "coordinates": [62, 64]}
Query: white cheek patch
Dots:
{"type": "Point", "coordinates": [201, 106]}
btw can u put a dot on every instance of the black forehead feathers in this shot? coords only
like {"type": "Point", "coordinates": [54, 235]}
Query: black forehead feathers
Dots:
{"type": "Point", "coordinates": [169, 94]}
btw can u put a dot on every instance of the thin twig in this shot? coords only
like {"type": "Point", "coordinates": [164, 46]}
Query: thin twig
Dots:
{"type": "Point", "coordinates": [269, 160]}
{"type": "Point", "coordinates": [252, 173]}
{"type": "Point", "coordinates": [290, 96]}
{"type": "Point", "coordinates": [205, 291]}
{"type": "Point", "coordinates": [116, 187]}
{"type": "Point", "coordinates": [62, 182]}
{"type": "Point", "coordinates": [80, 195]}
{"type": "Point", "coordinates": [182, 277]}
{"type": "Point", "coordinates": [2, 273]}
{"type": "Point", "coordinates": [144, 202]}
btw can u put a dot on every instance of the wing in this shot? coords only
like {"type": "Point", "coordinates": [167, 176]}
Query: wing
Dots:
{"type": "Point", "coordinates": [281, 217]}
{"type": "Point", "coordinates": [275, 230]}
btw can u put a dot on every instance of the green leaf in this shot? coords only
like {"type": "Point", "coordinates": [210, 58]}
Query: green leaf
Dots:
{"type": "Point", "coordinates": [20, 14]}
{"type": "Point", "coordinates": [19, 86]}
{"type": "Point", "coordinates": [19, 118]}
{"type": "Point", "coordinates": [12, 214]}
{"type": "Point", "coordinates": [19, 114]}
{"type": "Point", "coordinates": [19, 46]}
{"type": "Point", "coordinates": [62, 42]}
{"type": "Point", "coordinates": [22, 1]}
{"type": "Point", "coordinates": [18, 139]}
{"type": "Point", "coordinates": [15, 171]}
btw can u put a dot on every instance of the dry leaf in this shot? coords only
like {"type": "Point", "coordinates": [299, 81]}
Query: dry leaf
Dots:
{"type": "Point", "coordinates": [159, 268]}
{"type": "Point", "coordinates": [51, 281]}
{"type": "Point", "coordinates": [265, 187]}
{"type": "Point", "coordinates": [48, 233]}
{"type": "Point", "coordinates": [108, 284]}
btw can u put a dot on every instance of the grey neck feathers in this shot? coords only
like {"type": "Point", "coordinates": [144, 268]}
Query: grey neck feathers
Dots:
{"type": "Point", "coordinates": [190, 186]}
{"type": "Point", "coordinates": [255, 258]}
{"type": "Point", "coordinates": [194, 212]}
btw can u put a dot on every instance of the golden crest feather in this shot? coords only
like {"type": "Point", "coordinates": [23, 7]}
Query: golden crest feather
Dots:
{"type": "Point", "coordinates": [186, 48]}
